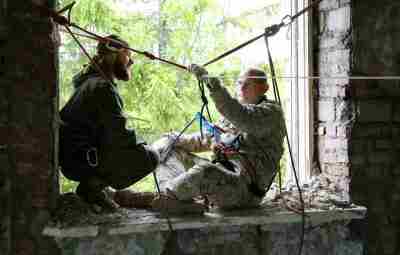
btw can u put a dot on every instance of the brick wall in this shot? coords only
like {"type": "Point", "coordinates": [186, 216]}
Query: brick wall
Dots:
{"type": "Point", "coordinates": [28, 107]}
{"type": "Point", "coordinates": [361, 38]}
{"type": "Point", "coordinates": [333, 105]}
{"type": "Point", "coordinates": [375, 166]}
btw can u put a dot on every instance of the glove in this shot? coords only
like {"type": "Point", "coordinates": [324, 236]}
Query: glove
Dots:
{"type": "Point", "coordinates": [199, 71]}
{"type": "Point", "coordinates": [201, 74]}
{"type": "Point", "coordinates": [164, 142]}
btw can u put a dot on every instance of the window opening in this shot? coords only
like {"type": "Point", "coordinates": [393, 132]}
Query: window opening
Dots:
{"type": "Point", "coordinates": [299, 110]}
{"type": "Point", "coordinates": [162, 29]}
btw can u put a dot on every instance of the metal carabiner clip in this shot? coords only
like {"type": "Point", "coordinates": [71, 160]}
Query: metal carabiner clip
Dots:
{"type": "Point", "coordinates": [286, 20]}
{"type": "Point", "coordinates": [92, 152]}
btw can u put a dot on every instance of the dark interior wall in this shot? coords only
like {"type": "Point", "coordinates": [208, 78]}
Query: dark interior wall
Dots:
{"type": "Point", "coordinates": [375, 169]}
{"type": "Point", "coordinates": [358, 121]}
{"type": "Point", "coordinates": [28, 110]}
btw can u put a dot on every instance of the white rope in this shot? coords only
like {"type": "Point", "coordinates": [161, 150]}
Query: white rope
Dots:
{"type": "Point", "coordinates": [321, 77]}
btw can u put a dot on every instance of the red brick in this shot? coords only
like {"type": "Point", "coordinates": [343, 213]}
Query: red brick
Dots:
{"type": "Point", "coordinates": [4, 135]}
{"type": "Point", "coordinates": [24, 247]}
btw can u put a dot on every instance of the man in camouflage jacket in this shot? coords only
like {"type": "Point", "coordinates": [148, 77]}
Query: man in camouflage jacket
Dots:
{"type": "Point", "coordinates": [237, 179]}
{"type": "Point", "coordinates": [96, 149]}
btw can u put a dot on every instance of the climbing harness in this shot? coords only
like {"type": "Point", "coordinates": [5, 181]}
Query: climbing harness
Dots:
{"type": "Point", "coordinates": [92, 157]}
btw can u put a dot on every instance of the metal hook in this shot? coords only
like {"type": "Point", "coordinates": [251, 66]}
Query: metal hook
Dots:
{"type": "Point", "coordinates": [286, 20]}
{"type": "Point", "coordinates": [67, 8]}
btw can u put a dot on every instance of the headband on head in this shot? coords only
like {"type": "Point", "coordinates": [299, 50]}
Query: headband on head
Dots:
{"type": "Point", "coordinates": [115, 45]}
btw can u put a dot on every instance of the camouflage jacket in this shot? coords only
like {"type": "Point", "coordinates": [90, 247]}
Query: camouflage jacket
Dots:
{"type": "Point", "coordinates": [262, 132]}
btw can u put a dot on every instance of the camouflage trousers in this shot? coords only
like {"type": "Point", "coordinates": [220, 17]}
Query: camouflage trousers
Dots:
{"type": "Point", "coordinates": [189, 176]}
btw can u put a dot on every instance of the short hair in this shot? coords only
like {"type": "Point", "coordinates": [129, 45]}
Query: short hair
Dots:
{"type": "Point", "coordinates": [259, 75]}
{"type": "Point", "coordinates": [116, 43]}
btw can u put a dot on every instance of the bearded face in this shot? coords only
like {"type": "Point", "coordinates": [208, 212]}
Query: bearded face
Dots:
{"type": "Point", "coordinates": [122, 65]}
{"type": "Point", "coordinates": [121, 70]}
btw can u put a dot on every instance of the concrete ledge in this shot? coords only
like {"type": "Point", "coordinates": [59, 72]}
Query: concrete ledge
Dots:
{"type": "Point", "coordinates": [142, 221]}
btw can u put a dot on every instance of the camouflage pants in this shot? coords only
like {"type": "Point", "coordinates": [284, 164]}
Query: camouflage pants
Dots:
{"type": "Point", "coordinates": [189, 176]}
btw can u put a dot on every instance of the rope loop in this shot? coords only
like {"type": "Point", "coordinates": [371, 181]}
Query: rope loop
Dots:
{"type": "Point", "coordinates": [287, 20]}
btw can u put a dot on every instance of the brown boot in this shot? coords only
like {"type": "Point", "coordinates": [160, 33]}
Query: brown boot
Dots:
{"type": "Point", "coordinates": [130, 199]}
{"type": "Point", "coordinates": [169, 204]}
{"type": "Point", "coordinates": [92, 192]}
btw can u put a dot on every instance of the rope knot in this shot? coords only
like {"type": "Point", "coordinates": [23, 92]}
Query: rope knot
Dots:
{"type": "Point", "coordinates": [149, 55]}
{"type": "Point", "coordinates": [63, 21]}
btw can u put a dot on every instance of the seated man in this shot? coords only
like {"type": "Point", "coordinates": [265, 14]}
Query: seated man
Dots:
{"type": "Point", "coordinates": [247, 153]}
{"type": "Point", "coordinates": [95, 147]}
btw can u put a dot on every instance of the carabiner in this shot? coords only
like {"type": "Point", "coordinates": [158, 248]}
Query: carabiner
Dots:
{"type": "Point", "coordinates": [92, 152]}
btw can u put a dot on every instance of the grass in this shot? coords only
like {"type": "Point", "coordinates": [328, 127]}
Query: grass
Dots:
{"type": "Point", "coordinates": [145, 184]}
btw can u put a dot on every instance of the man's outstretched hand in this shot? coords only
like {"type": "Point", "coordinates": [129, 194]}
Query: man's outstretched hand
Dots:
{"type": "Point", "coordinates": [202, 75]}
{"type": "Point", "coordinates": [199, 71]}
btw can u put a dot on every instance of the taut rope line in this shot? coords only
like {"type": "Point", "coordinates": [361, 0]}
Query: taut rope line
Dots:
{"type": "Point", "coordinates": [67, 23]}
{"type": "Point", "coordinates": [269, 31]}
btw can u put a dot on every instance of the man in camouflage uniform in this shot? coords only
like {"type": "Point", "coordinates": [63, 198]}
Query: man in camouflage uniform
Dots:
{"type": "Point", "coordinates": [237, 178]}
{"type": "Point", "coordinates": [95, 147]}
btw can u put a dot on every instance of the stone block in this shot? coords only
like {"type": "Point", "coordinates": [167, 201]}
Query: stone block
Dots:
{"type": "Point", "coordinates": [388, 132]}
{"type": "Point", "coordinates": [383, 144]}
{"type": "Point", "coordinates": [326, 110]}
{"type": "Point", "coordinates": [333, 150]}
{"type": "Point", "coordinates": [4, 103]}
{"type": "Point", "coordinates": [321, 130]}
{"type": "Point", "coordinates": [25, 246]}
{"type": "Point", "coordinates": [334, 63]}
{"type": "Point", "coordinates": [343, 131]}
{"type": "Point", "coordinates": [339, 20]}
{"type": "Point", "coordinates": [333, 88]}
{"type": "Point", "coordinates": [330, 40]}
{"type": "Point", "coordinates": [362, 89]}
{"type": "Point", "coordinates": [336, 169]}
{"type": "Point", "coordinates": [364, 130]}
{"type": "Point", "coordinates": [374, 111]}
{"type": "Point", "coordinates": [344, 111]}
{"type": "Point", "coordinates": [331, 130]}
{"type": "Point", "coordinates": [358, 146]}
{"type": "Point", "coordinates": [396, 113]}
{"type": "Point", "coordinates": [379, 157]}
{"type": "Point", "coordinates": [328, 5]}
{"type": "Point", "coordinates": [344, 2]}
{"type": "Point", "coordinates": [358, 159]}
{"type": "Point", "coordinates": [388, 88]}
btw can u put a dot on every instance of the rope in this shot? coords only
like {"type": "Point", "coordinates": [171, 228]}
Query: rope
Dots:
{"type": "Point", "coordinates": [170, 228]}
{"type": "Point", "coordinates": [67, 23]}
{"type": "Point", "coordinates": [92, 60]}
{"type": "Point", "coordinates": [275, 85]}
{"type": "Point", "coordinates": [269, 31]}
{"type": "Point", "coordinates": [203, 107]}
{"type": "Point", "coordinates": [319, 77]}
